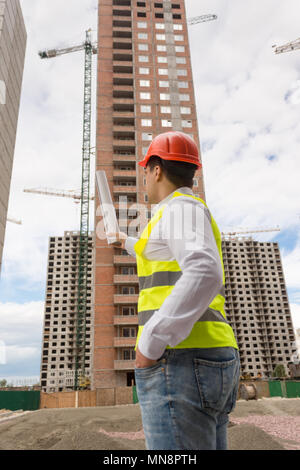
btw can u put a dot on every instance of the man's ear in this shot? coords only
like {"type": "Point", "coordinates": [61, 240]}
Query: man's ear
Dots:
{"type": "Point", "coordinates": [158, 173]}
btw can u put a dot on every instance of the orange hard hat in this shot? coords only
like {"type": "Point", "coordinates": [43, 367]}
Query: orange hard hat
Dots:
{"type": "Point", "coordinates": [173, 145]}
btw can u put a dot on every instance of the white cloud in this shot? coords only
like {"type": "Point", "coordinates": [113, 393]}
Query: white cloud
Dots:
{"type": "Point", "coordinates": [295, 311]}
{"type": "Point", "coordinates": [21, 335]}
{"type": "Point", "coordinates": [16, 354]}
{"type": "Point", "coordinates": [293, 94]}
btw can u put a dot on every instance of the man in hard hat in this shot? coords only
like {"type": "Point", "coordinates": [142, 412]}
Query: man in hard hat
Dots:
{"type": "Point", "coordinates": [187, 363]}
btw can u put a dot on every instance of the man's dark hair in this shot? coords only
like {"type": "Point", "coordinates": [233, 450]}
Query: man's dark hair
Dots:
{"type": "Point", "coordinates": [179, 173]}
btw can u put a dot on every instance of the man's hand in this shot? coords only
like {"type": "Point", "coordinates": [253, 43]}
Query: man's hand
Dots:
{"type": "Point", "coordinates": [142, 361]}
{"type": "Point", "coordinates": [121, 238]}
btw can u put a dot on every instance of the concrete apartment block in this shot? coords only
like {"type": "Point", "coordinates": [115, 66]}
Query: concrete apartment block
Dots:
{"type": "Point", "coordinates": [257, 305]}
{"type": "Point", "coordinates": [145, 87]}
{"type": "Point", "coordinates": [59, 330]}
{"type": "Point", "coordinates": [12, 54]}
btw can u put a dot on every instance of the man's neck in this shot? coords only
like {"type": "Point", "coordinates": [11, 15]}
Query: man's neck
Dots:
{"type": "Point", "coordinates": [184, 189]}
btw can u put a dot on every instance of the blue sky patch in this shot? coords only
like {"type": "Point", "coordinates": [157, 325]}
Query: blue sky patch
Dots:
{"type": "Point", "coordinates": [271, 158]}
{"type": "Point", "coordinates": [17, 292]}
{"type": "Point", "coordinates": [287, 239]}
{"type": "Point", "coordinates": [294, 295]}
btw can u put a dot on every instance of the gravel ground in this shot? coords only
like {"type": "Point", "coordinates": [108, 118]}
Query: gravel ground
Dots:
{"type": "Point", "coordinates": [266, 424]}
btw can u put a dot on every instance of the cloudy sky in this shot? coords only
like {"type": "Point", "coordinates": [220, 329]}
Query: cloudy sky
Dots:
{"type": "Point", "coordinates": [248, 103]}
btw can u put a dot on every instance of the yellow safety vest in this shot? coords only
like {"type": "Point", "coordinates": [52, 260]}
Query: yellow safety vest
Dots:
{"type": "Point", "coordinates": [156, 282]}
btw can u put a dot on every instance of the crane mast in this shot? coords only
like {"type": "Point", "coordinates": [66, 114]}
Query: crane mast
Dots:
{"type": "Point", "coordinates": [84, 216]}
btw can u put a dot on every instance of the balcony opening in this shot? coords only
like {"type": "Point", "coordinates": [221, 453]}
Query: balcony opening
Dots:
{"type": "Point", "coordinates": [124, 135]}
{"type": "Point", "coordinates": [122, 57]}
{"type": "Point", "coordinates": [126, 152]}
{"type": "Point", "coordinates": [123, 81]}
{"type": "Point", "coordinates": [122, 34]}
{"type": "Point", "coordinates": [123, 107]}
{"type": "Point", "coordinates": [119, 150]}
{"type": "Point", "coordinates": [122, 24]}
{"type": "Point", "coordinates": [122, 69]}
{"type": "Point", "coordinates": [125, 3]}
{"type": "Point", "coordinates": [122, 45]}
{"type": "Point", "coordinates": [122, 12]}
{"type": "Point", "coordinates": [123, 121]}
{"type": "Point", "coordinates": [123, 94]}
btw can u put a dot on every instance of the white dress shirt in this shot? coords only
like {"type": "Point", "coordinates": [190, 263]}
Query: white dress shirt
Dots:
{"type": "Point", "coordinates": [184, 234]}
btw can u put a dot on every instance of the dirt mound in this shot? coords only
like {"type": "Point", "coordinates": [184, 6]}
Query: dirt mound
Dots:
{"type": "Point", "coordinates": [254, 425]}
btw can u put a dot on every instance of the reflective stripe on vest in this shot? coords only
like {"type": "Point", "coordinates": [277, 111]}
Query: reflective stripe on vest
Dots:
{"type": "Point", "coordinates": [209, 315]}
{"type": "Point", "coordinates": [157, 280]}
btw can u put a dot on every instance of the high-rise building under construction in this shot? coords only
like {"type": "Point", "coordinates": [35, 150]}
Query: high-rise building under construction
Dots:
{"type": "Point", "coordinates": [12, 54]}
{"type": "Point", "coordinates": [58, 353]}
{"type": "Point", "coordinates": [257, 305]}
{"type": "Point", "coordinates": [145, 87]}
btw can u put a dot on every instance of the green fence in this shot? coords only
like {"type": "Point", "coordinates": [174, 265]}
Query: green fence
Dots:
{"type": "Point", "coordinates": [19, 400]}
{"type": "Point", "coordinates": [284, 388]}
{"type": "Point", "coordinates": [135, 397]}
{"type": "Point", "coordinates": [292, 389]}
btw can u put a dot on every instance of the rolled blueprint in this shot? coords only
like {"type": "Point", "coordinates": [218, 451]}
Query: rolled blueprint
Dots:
{"type": "Point", "coordinates": [108, 211]}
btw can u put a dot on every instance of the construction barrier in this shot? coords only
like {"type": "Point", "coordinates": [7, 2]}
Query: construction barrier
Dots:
{"type": "Point", "coordinates": [261, 387]}
{"type": "Point", "coordinates": [14, 400]}
{"type": "Point", "coordinates": [293, 389]}
{"type": "Point", "coordinates": [80, 399]}
{"type": "Point", "coordinates": [284, 388]}
{"type": "Point", "coordinates": [33, 400]}
{"type": "Point", "coordinates": [135, 397]}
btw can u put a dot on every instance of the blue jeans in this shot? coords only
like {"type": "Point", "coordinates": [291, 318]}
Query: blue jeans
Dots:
{"type": "Point", "coordinates": [186, 397]}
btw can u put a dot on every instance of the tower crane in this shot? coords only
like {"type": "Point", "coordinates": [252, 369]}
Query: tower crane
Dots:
{"type": "Point", "coordinates": [50, 53]}
{"type": "Point", "coordinates": [58, 192]}
{"type": "Point", "coordinates": [90, 49]}
{"type": "Point", "coordinates": [290, 46]}
{"type": "Point", "coordinates": [201, 19]}
{"type": "Point", "coordinates": [14, 221]}
{"type": "Point", "coordinates": [275, 229]}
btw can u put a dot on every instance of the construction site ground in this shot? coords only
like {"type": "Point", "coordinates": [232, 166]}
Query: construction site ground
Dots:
{"type": "Point", "coordinates": [264, 424]}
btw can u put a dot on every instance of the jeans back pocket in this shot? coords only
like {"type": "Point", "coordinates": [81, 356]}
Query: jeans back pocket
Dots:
{"type": "Point", "coordinates": [217, 383]}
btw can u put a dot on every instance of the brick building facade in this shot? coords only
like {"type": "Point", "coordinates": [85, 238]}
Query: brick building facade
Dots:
{"type": "Point", "coordinates": [145, 87]}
